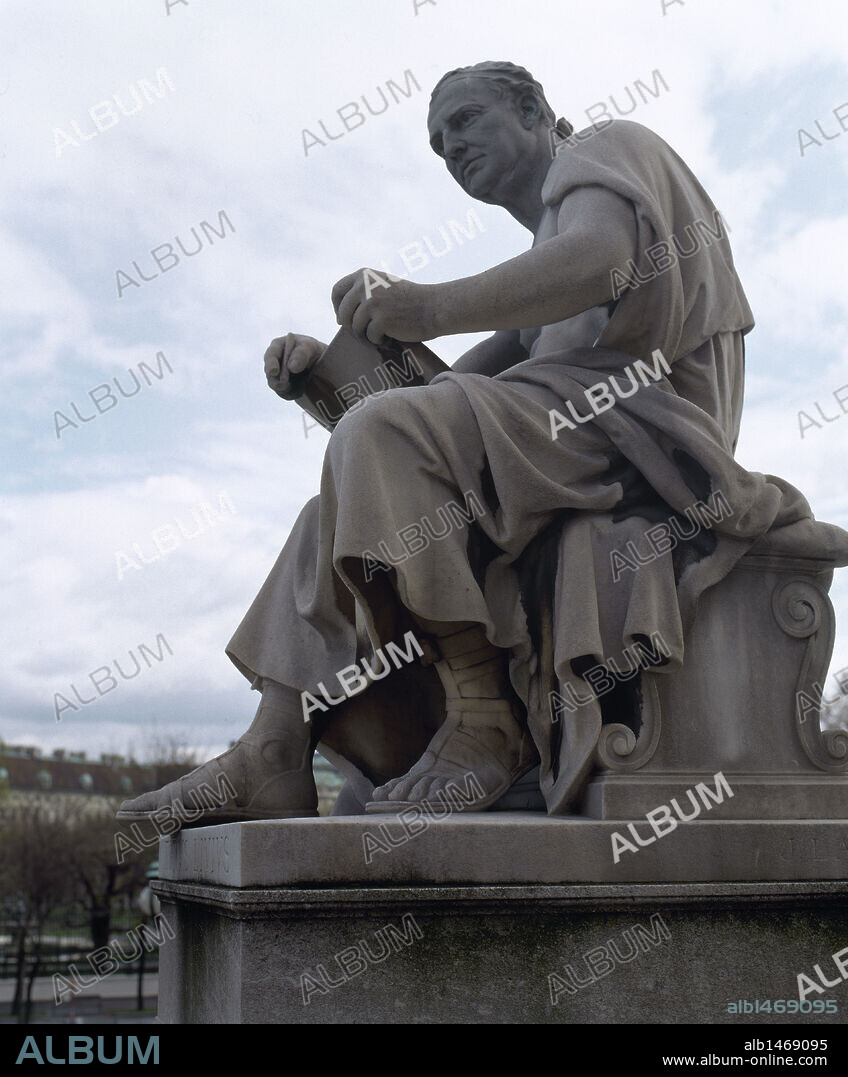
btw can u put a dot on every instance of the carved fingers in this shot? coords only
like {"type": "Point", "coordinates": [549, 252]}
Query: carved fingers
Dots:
{"type": "Point", "coordinates": [373, 306]}
{"type": "Point", "coordinates": [288, 355]}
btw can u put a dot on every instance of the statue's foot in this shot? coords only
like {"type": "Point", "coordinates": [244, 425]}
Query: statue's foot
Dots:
{"type": "Point", "coordinates": [479, 752]}
{"type": "Point", "coordinates": [267, 774]}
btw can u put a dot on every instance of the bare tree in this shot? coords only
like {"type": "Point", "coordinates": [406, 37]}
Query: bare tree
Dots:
{"type": "Point", "coordinates": [94, 867]}
{"type": "Point", "coordinates": [167, 749]}
{"type": "Point", "coordinates": [34, 881]}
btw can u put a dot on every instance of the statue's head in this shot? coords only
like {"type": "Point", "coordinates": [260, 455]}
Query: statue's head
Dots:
{"type": "Point", "coordinates": [486, 121]}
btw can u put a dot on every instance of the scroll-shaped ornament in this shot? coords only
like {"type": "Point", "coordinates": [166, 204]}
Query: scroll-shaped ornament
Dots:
{"type": "Point", "coordinates": [619, 749]}
{"type": "Point", "coordinates": [803, 610]}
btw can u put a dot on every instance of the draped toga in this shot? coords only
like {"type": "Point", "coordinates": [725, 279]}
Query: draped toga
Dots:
{"type": "Point", "coordinates": [536, 561]}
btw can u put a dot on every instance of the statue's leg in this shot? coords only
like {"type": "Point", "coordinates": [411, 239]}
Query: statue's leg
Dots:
{"type": "Point", "coordinates": [410, 485]}
{"type": "Point", "coordinates": [483, 747]}
{"type": "Point", "coordinates": [267, 774]}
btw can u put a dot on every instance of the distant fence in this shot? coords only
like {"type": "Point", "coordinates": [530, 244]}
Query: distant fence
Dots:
{"type": "Point", "coordinates": [63, 941]}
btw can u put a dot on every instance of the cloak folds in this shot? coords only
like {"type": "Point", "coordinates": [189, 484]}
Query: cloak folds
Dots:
{"type": "Point", "coordinates": [586, 605]}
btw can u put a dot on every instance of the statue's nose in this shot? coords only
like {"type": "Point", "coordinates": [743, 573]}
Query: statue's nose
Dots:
{"type": "Point", "coordinates": [454, 148]}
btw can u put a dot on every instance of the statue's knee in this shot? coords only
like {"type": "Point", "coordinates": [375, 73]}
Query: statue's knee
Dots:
{"type": "Point", "coordinates": [353, 429]}
{"type": "Point", "coordinates": [376, 417]}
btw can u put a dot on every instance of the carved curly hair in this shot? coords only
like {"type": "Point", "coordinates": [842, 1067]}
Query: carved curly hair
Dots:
{"type": "Point", "coordinates": [510, 81]}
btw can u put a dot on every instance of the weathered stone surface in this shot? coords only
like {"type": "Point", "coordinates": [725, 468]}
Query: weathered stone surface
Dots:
{"type": "Point", "coordinates": [501, 848]}
{"type": "Point", "coordinates": [499, 954]}
{"type": "Point", "coordinates": [768, 796]}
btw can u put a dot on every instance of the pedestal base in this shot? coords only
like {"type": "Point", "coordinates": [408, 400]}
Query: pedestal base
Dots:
{"type": "Point", "coordinates": [528, 917]}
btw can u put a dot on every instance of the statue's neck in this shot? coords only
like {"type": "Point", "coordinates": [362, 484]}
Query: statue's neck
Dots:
{"type": "Point", "coordinates": [527, 206]}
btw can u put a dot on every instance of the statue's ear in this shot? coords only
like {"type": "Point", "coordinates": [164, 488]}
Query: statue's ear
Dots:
{"type": "Point", "coordinates": [529, 109]}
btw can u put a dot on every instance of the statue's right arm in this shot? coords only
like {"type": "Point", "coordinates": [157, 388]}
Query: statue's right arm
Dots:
{"type": "Point", "coordinates": [555, 280]}
{"type": "Point", "coordinates": [493, 355]}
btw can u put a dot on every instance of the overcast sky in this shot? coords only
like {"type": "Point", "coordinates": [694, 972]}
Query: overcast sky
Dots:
{"type": "Point", "coordinates": [242, 82]}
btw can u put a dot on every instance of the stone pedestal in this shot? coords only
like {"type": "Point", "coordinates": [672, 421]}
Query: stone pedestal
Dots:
{"type": "Point", "coordinates": [337, 920]}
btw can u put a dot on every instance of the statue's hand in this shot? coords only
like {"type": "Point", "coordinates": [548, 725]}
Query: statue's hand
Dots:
{"type": "Point", "coordinates": [373, 306]}
{"type": "Point", "coordinates": [290, 354]}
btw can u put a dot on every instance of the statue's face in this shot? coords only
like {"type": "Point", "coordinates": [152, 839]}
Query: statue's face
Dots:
{"type": "Point", "coordinates": [482, 137]}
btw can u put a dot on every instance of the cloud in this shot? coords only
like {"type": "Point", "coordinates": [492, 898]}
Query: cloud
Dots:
{"type": "Point", "coordinates": [247, 80]}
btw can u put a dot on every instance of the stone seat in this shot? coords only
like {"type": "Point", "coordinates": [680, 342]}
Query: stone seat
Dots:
{"type": "Point", "coordinates": [746, 703]}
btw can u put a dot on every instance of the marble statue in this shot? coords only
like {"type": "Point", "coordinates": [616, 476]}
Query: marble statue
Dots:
{"type": "Point", "coordinates": [470, 525]}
